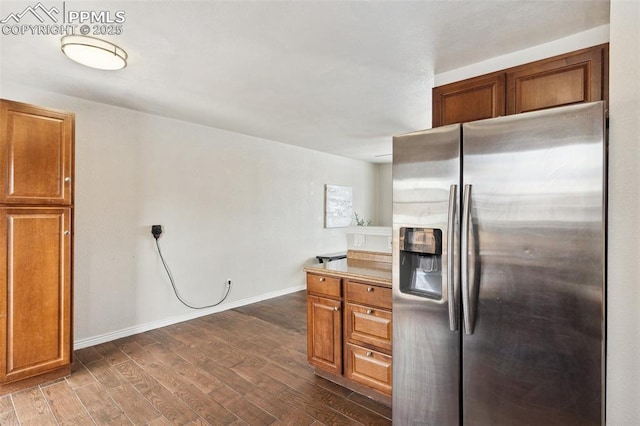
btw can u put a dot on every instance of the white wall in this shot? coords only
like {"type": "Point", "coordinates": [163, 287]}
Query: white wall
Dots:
{"type": "Point", "coordinates": [623, 315]}
{"type": "Point", "coordinates": [385, 193]}
{"type": "Point", "coordinates": [592, 37]}
{"type": "Point", "coordinates": [232, 206]}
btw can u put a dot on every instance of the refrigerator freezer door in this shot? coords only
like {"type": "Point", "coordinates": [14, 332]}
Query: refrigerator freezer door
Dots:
{"type": "Point", "coordinates": [426, 353]}
{"type": "Point", "coordinates": [537, 237]}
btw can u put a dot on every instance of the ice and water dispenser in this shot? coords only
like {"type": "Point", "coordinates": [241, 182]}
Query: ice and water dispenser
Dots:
{"type": "Point", "coordinates": [421, 262]}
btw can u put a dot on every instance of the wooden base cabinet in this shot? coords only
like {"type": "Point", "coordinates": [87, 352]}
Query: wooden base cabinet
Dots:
{"type": "Point", "coordinates": [368, 334]}
{"type": "Point", "coordinates": [349, 326]}
{"type": "Point", "coordinates": [36, 244]}
{"type": "Point", "coordinates": [324, 333]}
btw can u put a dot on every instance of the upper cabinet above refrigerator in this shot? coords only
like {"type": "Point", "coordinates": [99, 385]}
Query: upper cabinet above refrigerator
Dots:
{"type": "Point", "coordinates": [572, 78]}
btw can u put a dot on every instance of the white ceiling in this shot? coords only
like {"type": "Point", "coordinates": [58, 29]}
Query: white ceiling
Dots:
{"type": "Point", "coordinates": [334, 76]}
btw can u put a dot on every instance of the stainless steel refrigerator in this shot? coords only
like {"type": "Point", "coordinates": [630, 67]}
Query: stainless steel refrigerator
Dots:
{"type": "Point", "coordinates": [499, 271]}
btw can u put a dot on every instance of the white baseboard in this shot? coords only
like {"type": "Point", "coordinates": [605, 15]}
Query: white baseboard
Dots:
{"type": "Point", "coordinates": [118, 334]}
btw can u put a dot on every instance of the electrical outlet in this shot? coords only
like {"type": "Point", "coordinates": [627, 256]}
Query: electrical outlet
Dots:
{"type": "Point", "coordinates": [156, 231]}
{"type": "Point", "coordinates": [389, 242]}
{"type": "Point", "coordinates": [358, 240]}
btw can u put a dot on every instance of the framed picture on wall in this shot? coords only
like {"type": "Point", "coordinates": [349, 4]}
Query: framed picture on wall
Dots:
{"type": "Point", "coordinates": [338, 206]}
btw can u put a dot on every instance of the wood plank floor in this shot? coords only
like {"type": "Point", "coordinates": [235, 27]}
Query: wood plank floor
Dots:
{"type": "Point", "coordinates": [245, 366]}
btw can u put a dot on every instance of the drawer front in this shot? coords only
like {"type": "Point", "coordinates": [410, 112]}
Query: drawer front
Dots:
{"type": "Point", "coordinates": [369, 325]}
{"type": "Point", "coordinates": [368, 367]}
{"type": "Point", "coordinates": [323, 285]}
{"type": "Point", "coordinates": [370, 295]}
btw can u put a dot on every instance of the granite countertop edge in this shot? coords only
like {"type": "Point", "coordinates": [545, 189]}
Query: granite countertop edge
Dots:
{"type": "Point", "coordinates": [373, 272]}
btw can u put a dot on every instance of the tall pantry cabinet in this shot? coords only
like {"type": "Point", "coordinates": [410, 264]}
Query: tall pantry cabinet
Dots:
{"type": "Point", "coordinates": [36, 246]}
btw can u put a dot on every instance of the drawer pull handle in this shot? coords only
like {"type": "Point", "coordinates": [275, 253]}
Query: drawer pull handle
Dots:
{"type": "Point", "coordinates": [369, 289]}
{"type": "Point", "coordinates": [67, 179]}
{"type": "Point", "coordinates": [369, 354]}
{"type": "Point", "coordinates": [321, 279]}
{"type": "Point", "coordinates": [335, 308]}
{"type": "Point", "coordinates": [369, 311]}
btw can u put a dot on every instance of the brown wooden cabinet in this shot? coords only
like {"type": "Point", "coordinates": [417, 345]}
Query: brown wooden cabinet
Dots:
{"type": "Point", "coordinates": [37, 155]}
{"type": "Point", "coordinates": [368, 326]}
{"type": "Point", "coordinates": [324, 333]}
{"type": "Point", "coordinates": [35, 248]}
{"type": "Point", "coordinates": [572, 78]}
{"type": "Point", "coordinates": [349, 327]}
{"type": "Point", "coordinates": [576, 77]}
{"type": "Point", "coordinates": [36, 245]}
{"type": "Point", "coordinates": [469, 100]}
{"type": "Point", "coordinates": [324, 322]}
{"type": "Point", "coordinates": [368, 367]}
{"type": "Point", "coordinates": [368, 334]}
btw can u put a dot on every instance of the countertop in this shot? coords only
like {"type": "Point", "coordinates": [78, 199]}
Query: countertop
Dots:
{"type": "Point", "coordinates": [374, 272]}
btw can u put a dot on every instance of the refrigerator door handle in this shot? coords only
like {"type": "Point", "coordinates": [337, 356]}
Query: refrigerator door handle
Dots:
{"type": "Point", "coordinates": [467, 312]}
{"type": "Point", "coordinates": [452, 277]}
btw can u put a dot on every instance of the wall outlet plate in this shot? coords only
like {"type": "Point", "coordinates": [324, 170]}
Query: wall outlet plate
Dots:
{"type": "Point", "coordinates": [358, 240]}
{"type": "Point", "coordinates": [156, 230]}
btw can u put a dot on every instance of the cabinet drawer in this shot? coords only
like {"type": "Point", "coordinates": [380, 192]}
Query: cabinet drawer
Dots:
{"type": "Point", "coordinates": [368, 367]}
{"type": "Point", "coordinates": [370, 295]}
{"type": "Point", "coordinates": [369, 325]}
{"type": "Point", "coordinates": [323, 285]}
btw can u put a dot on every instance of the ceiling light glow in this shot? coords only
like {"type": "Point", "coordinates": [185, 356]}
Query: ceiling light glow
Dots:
{"type": "Point", "coordinates": [94, 52]}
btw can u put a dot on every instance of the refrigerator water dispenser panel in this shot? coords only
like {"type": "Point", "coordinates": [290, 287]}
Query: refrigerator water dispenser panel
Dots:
{"type": "Point", "coordinates": [421, 240]}
{"type": "Point", "coordinates": [421, 262]}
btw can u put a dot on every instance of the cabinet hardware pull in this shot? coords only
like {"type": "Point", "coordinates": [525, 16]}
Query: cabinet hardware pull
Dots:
{"type": "Point", "coordinates": [67, 179]}
{"type": "Point", "coordinates": [321, 279]}
{"type": "Point", "coordinates": [369, 289]}
{"type": "Point", "coordinates": [66, 232]}
{"type": "Point", "coordinates": [335, 308]}
{"type": "Point", "coordinates": [369, 354]}
{"type": "Point", "coordinates": [369, 311]}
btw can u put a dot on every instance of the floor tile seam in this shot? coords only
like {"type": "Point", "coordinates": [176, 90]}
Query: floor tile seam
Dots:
{"type": "Point", "coordinates": [367, 408]}
{"type": "Point", "coordinates": [13, 406]}
{"type": "Point", "coordinates": [163, 386]}
{"type": "Point", "coordinates": [107, 394]}
{"type": "Point", "coordinates": [332, 406]}
{"type": "Point", "coordinates": [73, 391]}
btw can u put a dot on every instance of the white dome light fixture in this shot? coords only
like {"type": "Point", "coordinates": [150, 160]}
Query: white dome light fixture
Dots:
{"type": "Point", "coordinates": [94, 52]}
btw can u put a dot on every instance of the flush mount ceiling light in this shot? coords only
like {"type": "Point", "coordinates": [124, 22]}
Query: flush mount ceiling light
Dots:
{"type": "Point", "coordinates": [94, 52]}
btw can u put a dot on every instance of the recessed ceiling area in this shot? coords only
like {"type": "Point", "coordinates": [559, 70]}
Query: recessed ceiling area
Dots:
{"type": "Point", "coordinates": [335, 76]}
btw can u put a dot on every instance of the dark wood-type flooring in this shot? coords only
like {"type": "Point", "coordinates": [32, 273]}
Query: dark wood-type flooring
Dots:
{"type": "Point", "coordinates": [245, 366]}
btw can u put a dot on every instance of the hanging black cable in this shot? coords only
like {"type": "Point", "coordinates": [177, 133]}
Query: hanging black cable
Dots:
{"type": "Point", "coordinates": [156, 234]}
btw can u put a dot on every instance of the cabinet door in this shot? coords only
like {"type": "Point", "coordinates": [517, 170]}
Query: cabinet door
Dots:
{"type": "Point", "coordinates": [469, 100]}
{"type": "Point", "coordinates": [37, 156]}
{"type": "Point", "coordinates": [324, 333]}
{"type": "Point", "coordinates": [35, 291]}
{"type": "Point", "coordinates": [572, 78]}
